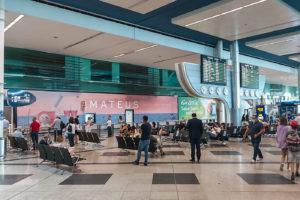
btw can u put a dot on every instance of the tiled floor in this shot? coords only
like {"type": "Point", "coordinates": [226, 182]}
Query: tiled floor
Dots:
{"type": "Point", "coordinates": [225, 172]}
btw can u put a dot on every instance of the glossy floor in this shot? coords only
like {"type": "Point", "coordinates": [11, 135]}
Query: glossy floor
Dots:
{"type": "Point", "coordinates": [107, 173]}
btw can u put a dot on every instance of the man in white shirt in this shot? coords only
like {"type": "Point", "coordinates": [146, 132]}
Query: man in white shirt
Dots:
{"type": "Point", "coordinates": [18, 133]}
{"type": "Point", "coordinates": [57, 127]}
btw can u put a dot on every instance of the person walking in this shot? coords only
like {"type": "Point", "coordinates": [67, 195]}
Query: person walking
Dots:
{"type": "Point", "coordinates": [34, 130]}
{"type": "Point", "coordinates": [255, 129]}
{"type": "Point", "coordinates": [293, 145]}
{"type": "Point", "coordinates": [282, 130]}
{"type": "Point", "coordinates": [71, 127]}
{"type": "Point", "coordinates": [195, 128]}
{"type": "Point", "coordinates": [57, 127]}
{"type": "Point", "coordinates": [146, 129]}
{"type": "Point", "coordinates": [108, 126]}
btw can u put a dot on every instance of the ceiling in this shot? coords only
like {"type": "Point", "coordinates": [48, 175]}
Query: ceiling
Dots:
{"type": "Point", "coordinates": [247, 24]}
{"type": "Point", "coordinates": [71, 40]}
{"type": "Point", "coordinates": [285, 44]}
{"type": "Point", "coordinates": [236, 19]}
{"type": "Point", "coordinates": [140, 6]}
{"type": "Point", "coordinates": [276, 77]}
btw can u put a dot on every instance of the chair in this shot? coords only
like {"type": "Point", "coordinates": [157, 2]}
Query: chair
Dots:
{"type": "Point", "coordinates": [121, 142]}
{"type": "Point", "coordinates": [50, 153]}
{"type": "Point", "coordinates": [22, 144]}
{"type": "Point", "coordinates": [85, 137]}
{"type": "Point", "coordinates": [80, 135]}
{"type": "Point", "coordinates": [129, 143]}
{"type": "Point", "coordinates": [13, 142]}
{"type": "Point", "coordinates": [152, 147]}
{"type": "Point", "coordinates": [96, 138]}
{"type": "Point", "coordinates": [43, 154]}
{"type": "Point", "coordinates": [59, 159]}
{"type": "Point", "coordinates": [89, 137]}
{"type": "Point", "coordinates": [136, 141]}
{"type": "Point", "coordinates": [67, 159]}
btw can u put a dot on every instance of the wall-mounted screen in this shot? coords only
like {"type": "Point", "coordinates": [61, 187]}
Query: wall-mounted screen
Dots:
{"type": "Point", "coordinates": [249, 76]}
{"type": "Point", "coordinates": [92, 115]}
{"type": "Point", "coordinates": [213, 70]}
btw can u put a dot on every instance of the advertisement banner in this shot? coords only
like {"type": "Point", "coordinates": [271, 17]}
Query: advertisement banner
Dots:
{"type": "Point", "coordinates": [67, 104]}
{"type": "Point", "coordinates": [204, 108]}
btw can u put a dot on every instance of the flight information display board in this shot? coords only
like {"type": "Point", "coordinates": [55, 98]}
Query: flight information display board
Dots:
{"type": "Point", "coordinates": [249, 76]}
{"type": "Point", "coordinates": [213, 70]}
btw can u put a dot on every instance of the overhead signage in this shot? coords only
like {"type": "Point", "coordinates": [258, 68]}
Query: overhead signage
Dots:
{"type": "Point", "coordinates": [213, 70]}
{"type": "Point", "coordinates": [17, 98]}
{"type": "Point", "coordinates": [249, 76]}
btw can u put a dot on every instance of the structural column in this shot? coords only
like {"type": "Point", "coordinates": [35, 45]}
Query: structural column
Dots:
{"type": "Point", "coordinates": [299, 82]}
{"type": "Point", "coordinates": [235, 87]}
{"type": "Point", "coordinates": [2, 17]}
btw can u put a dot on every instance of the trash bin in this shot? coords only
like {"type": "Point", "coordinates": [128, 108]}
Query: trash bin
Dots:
{"type": "Point", "coordinates": [2, 147]}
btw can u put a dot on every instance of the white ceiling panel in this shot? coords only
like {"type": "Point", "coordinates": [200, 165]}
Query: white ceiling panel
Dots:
{"type": "Point", "coordinates": [9, 17]}
{"type": "Point", "coordinates": [236, 19]}
{"type": "Point", "coordinates": [43, 35]}
{"type": "Point", "coordinates": [279, 45]}
{"type": "Point", "coordinates": [140, 6]}
{"type": "Point", "coordinates": [295, 57]}
{"type": "Point", "coordinates": [277, 77]}
{"type": "Point", "coordinates": [124, 48]}
{"type": "Point", "coordinates": [95, 44]}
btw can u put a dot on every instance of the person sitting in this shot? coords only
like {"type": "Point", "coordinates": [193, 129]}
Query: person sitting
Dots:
{"type": "Point", "coordinates": [157, 142]}
{"type": "Point", "coordinates": [165, 130]}
{"type": "Point", "coordinates": [124, 128]}
{"type": "Point", "coordinates": [215, 132]}
{"type": "Point", "coordinates": [18, 133]}
{"type": "Point", "coordinates": [154, 129]}
{"type": "Point", "coordinates": [45, 140]}
{"type": "Point", "coordinates": [180, 129]}
{"type": "Point", "coordinates": [60, 144]}
{"type": "Point", "coordinates": [210, 123]}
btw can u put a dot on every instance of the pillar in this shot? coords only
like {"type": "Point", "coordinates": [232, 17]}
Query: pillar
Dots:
{"type": "Point", "coordinates": [115, 68]}
{"type": "Point", "coordinates": [218, 52]}
{"type": "Point", "coordinates": [235, 87]}
{"type": "Point", "coordinates": [299, 82]}
{"type": "Point", "coordinates": [2, 22]}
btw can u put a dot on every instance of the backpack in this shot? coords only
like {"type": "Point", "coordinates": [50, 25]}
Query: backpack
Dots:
{"type": "Point", "coordinates": [293, 142]}
{"type": "Point", "coordinates": [62, 125]}
{"type": "Point", "coordinates": [69, 128]}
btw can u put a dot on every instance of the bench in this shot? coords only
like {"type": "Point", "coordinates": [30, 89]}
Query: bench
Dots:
{"type": "Point", "coordinates": [57, 156]}
{"type": "Point", "coordinates": [18, 143]}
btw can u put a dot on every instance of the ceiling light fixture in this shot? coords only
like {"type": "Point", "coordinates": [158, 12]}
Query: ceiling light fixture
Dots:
{"type": "Point", "coordinates": [13, 22]}
{"type": "Point", "coordinates": [119, 55]}
{"type": "Point", "coordinates": [142, 49]}
{"type": "Point", "coordinates": [224, 13]}
{"type": "Point", "coordinates": [260, 45]}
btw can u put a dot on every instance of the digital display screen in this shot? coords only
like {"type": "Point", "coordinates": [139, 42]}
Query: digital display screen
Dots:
{"type": "Point", "coordinates": [213, 70]}
{"type": "Point", "coordinates": [249, 76]}
{"type": "Point", "coordinates": [92, 115]}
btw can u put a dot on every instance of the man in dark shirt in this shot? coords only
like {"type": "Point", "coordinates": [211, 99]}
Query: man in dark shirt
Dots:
{"type": "Point", "coordinates": [255, 129]}
{"type": "Point", "coordinates": [195, 132]}
{"type": "Point", "coordinates": [145, 141]}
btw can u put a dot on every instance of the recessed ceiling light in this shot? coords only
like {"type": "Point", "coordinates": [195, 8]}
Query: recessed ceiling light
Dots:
{"type": "Point", "coordinates": [224, 13]}
{"type": "Point", "coordinates": [119, 55]}
{"type": "Point", "coordinates": [260, 45]}
{"type": "Point", "coordinates": [142, 49]}
{"type": "Point", "coordinates": [55, 37]}
{"type": "Point", "coordinates": [13, 22]}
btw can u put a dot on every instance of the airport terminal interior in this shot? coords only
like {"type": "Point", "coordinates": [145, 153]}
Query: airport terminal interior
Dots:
{"type": "Point", "coordinates": [149, 99]}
